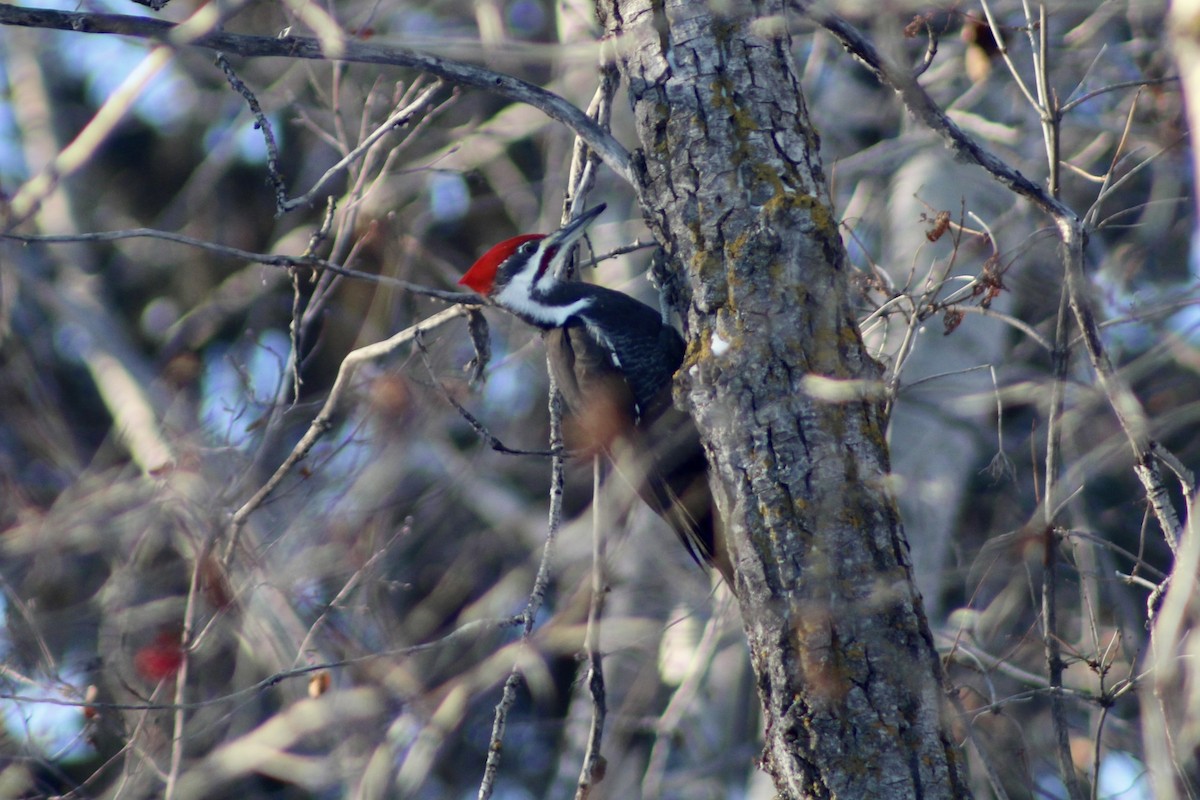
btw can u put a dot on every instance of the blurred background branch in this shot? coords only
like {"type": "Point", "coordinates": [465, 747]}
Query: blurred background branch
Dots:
{"type": "Point", "coordinates": [167, 342]}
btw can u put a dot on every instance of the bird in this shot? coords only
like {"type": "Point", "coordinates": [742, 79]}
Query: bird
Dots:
{"type": "Point", "coordinates": [613, 358]}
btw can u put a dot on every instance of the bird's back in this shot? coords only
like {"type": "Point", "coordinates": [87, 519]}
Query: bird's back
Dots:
{"type": "Point", "coordinates": [623, 407]}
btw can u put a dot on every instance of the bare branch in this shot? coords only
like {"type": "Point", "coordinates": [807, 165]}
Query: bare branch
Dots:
{"type": "Point", "coordinates": [267, 259]}
{"type": "Point", "coordinates": [1002, 47]}
{"type": "Point", "coordinates": [591, 772]}
{"type": "Point", "coordinates": [33, 192]}
{"type": "Point", "coordinates": [397, 119]}
{"type": "Point", "coordinates": [927, 111]}
{"type": "Point", "coordinates": [1125, 405]}
{"type": "Point", "coordinates": [465, 631]}
{"type": "Point", "coordinates": [1116, 87]}
{"type": "Point", "coordinates": [1061, 357]}
{"type": "Point", "coordinates": [537, 596]}
{"type": "Point", "coordinates": [178, 738]}
{"type": "Point", "coordinates": [492, 440]}
{"type": "Point", "coordinates": [263, 124]}
{"type": "Point", "coordinates": [324, 420]}
{"type": "Point", "coordinates": [610, 151]}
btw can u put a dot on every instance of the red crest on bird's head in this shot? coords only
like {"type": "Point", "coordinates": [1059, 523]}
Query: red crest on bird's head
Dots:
{"type": "Point", "coordinates": [482, 275]}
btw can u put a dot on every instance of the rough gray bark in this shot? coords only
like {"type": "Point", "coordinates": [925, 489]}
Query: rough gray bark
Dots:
{"type": "Point", "coordinates": [731, 181]}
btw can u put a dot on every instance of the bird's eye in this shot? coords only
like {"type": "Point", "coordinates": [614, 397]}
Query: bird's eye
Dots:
{"type": "Point", "coordinates": [529, 248]}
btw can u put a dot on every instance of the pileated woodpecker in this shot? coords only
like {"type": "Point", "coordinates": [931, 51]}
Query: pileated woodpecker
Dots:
{"type": "Point", "coordinates": [613, 359]}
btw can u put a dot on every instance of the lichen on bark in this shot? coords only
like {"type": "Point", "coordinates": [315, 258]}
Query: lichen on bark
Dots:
{"type": "Point", "coordinates": [733, 189]}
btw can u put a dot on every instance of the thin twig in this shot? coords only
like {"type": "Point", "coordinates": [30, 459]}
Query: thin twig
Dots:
{"type": "Point", "coordinates": [1070, 105]}
{"type": "Point", "coordinates": [610, 151]}
{"type": "Point", "coordinates": [1002, 47]}
{"type": "Point", "coordinates": [181, 675]}
{"type": "Point", "coordinates": [467, 630]}
{"type": "Point", "coordinates": [667, 726]}
{"type": "Point", "coordinates": [582, 174]}
{"type": "Point", "coordinates": [1109, 189]}
{"type": "Point", "coordinates": [297, 325]}
{"type": "Point", "coordinates": [927, 111]}
{"type": "Point", "coordinates": [398, 119]}
{"type": "Point", "coordinates": [263, 124]}
{"type": "Point", "coordinates": [593, 768]}
{"type": "Point", "coordinates": [1050, 640]}
{"type": "Point", "coordinates": [50, 664]}
{"type": "Point", "coordinates": [947, 374]}
{"type": "Point", "coordinates": [1125, 405]}
{"type": "Point", "coordinates": [29, 197]}
{"type": "Point", "coordinates": [537, 596]}
{"type": "Point", "coordinates": [492, 440]}
{"type": "Point", "coordinates": [1047, 106]}
{"type": "Point", "coordinates": [267, 259]}
{"type": "Point", "coordinates": [931, 49]}
{"type": "Point", "coordinates": [282, 261]}
{"type": "Point", "coordinates": [351, 583]}
{"type": "Point", "coordinates": [324, 420]}
{"type": "Point", "coordinates": [989, 767]}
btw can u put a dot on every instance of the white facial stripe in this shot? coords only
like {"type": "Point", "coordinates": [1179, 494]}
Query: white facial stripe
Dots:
{"type": "Point", "coordinates": [519, 284]}
{"type": "Point", "coordinates": [516, 298]}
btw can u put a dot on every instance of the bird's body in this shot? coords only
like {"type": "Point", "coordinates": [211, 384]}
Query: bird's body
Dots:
{"type": "Point", "coordinates": [613, 358]}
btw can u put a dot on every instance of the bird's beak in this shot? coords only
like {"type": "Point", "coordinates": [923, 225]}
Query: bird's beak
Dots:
{"type": "Point", "coordinates": [568, 234]}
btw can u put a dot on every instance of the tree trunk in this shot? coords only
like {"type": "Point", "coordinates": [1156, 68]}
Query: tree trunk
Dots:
{"type": "Point", "coordinates": [787, 400]}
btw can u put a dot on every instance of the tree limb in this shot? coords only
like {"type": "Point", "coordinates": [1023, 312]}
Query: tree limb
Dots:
{"type": "Point", "coordinates": [304, 47]}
